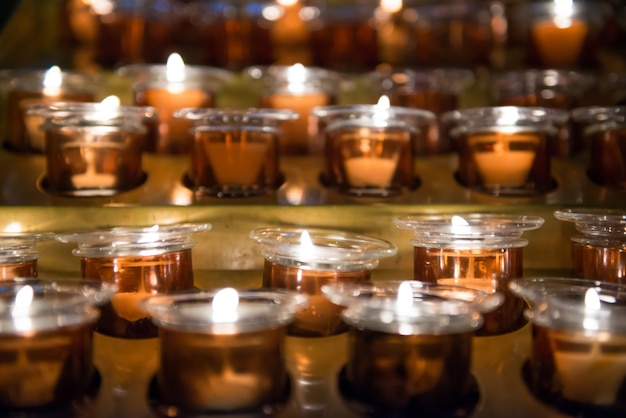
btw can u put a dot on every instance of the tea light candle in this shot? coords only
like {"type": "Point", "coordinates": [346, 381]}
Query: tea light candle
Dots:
{"type": "Point", "coordinates": [18, 254]}
{"type": "Point", "coordinates": [304, 260]}
{"type": "Point", "coordinates": [579, 342]}
{"type": "Point", "coordinates": [223, 350]}
{"type": "Point", "coordinates": [481, 251]}
{"type": "Point", "coordinates": [45, 338]}
{"type": "Point", "coordinates": [36, 88]}
{"type": "Point", "coordinates": [560, 40]}
{"type": "Point", "coordinates": [410, 344]}
{"type": "Point", "coordinates": [392, 33]}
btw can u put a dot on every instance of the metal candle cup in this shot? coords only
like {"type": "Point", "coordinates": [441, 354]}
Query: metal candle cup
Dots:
{"type": "Point", "coordinates": [223, 351]}
{"type": "Point", "coordinates": [142, 262]}
{"type": "Point", "coordinates": [235, 152]}
{"type": "Point", "coordinates": [46, 341]}
{"type": "Point", "coordinates": [604, 130]}
{"type": "Point", "coordinates": [480, 251]}
{"type": "Point", "coordinates": [599, 251]}
{"type": "Point", "coordinates": [578, 357]}
{"type": "Point", "coordinates": [370, 149]}
{"type": "Point", "coordinates": [93, 154]}
{"type": "Point", "coordinates": [299, 89]}
{"type": "Point", "coordinates": [504, 151]}
{"type": "Point", "coordinates": [18, 254]}
{"type": "Point", "coordinates": [30, 87]}
{"type": "Point", "coordinates": [304, 260]}
{"type": "Point", "coordinates": [410, 343]}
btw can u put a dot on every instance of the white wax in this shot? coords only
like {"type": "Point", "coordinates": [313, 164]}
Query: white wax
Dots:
{"type": "Point", "coordinates": [127, 305]}
{"type": "Point", "coordinates": [504, 168]}
{"type": "Point", "coordinates": [236, 164]}
{"type": "Point", "coordinates": [92, 180]}
{"type": "Point", "coordinates": [370, 171]}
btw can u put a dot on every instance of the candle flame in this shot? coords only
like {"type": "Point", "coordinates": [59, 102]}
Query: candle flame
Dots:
{"type": "Point", "coordinates": [13, 227]}
{"type": "Point", "coordinates": [23, 300]}
{"type": "Point", "coordinates": [404, 300]}
{"type": "Point", "coordinates": [225, 305]}
{"type": "Point", "coordinates": [286, 3]}
{"type": "Point", "coordinates": [460, 225]}
{"type": "Point", "coordinates": [305, 240]}
{"type": "Point", "coordinates": [24, 297]}
{"type": "Point", "coordinates": [382, 109]}
{"type": "Point", "coordinates": [508, 116]}
{"type": "Point", "coordinates": [52, 81]}
{"type": "Point", "coordinates": [592, 299]}
{"type": "Point", "coordinates": [391, 6]}
{"type": "Point", "coordinates": [563, 10]}
{"type": "Point", "coordinates": [175, 72]}
{"type": "Point", "coordinates": [110, 102]}
{"type": "Point", "coordinates": [296, 77]}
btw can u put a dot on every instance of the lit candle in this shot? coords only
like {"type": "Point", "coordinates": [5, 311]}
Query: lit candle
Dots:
{"type": "Point", "coordinates": [176, 93]}
{"type": "Point", "coordinates": [46, 342]}
{"type": "Point", "coordinates": [223, 351]}
{"type": "Point", "coordinates": [19, 256]}
{"type": "Point", "coordinates": [32, 89]}
{"type": "Point", "coordinates": [305, 260]}
{"type": "Point", "coordinates": [405, 356]}
{"type": "Point", "coordinates": [560, 39]}
{"type": "Point", "coordinates": [392, 34]}
{"type": "Point", "coordinates": [289, 32]}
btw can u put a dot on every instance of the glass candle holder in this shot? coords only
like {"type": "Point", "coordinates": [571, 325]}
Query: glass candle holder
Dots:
{"type": "Point", "coordinates": [599, 251]}
{"type": "Point", "coordinates": [30, 87]}
{"type": "Point", "coordinates": [479, 251]}
{"type": "Point", "coordinates": [19, 255]}
{"type": "Point", "coordinates": [93, 154]}
{"type": "Point", "coordinates": [299, 89]}
{"type": "Point", "coordinates": [235, 152]}
{"type": "Point", "coordinates": [46, 343]}
{"type": "Point", "coordinates": [435, 90]}
{"type": "Point", "coordinates": [559, 34]}
{"type": "Point", "coordinates": [613, 86]}
{"type": "Point", "coordinates": [223, 351]}
{"type": "Point", "coordinates": [370, 149]}
{"type": "Point", "coordinates": [604, 130]}
{"type": "Point", "coordinates": [410, 346]}
{"type": "Point", "coordinates": [578, 356]}
{"type": "Point", "coordinates": [172, 87]}
{"type": "Point", "coordinates": [35, 116]}
{"type": "Point", "coordinates": [304, 260]}
{"type": "Point", "coordinates": [504, 151]}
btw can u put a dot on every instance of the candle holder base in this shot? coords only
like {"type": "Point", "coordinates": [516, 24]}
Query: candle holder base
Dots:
{"type": "Point", "coordinates": [44, 186]}
{"type": "Point", "coordinates": [454, 408]}
{"type": "Point", "coordinates": [163, 409]}
{"type": "Point", "coordinates": [369, 191]}
{"type": "Point", "coordinates": [79, 408]}
{"type": "Point", "coordinates": [571, 408]}
{"type": "Point", "coordinates": [509, 191]}
{"type": "Point", "coordinates": [233, 191]}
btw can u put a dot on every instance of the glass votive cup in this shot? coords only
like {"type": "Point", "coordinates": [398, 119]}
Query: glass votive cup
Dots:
{"type": "Point", "coordinates": [370, 149]}
{"type": "Point", "coordinates": [93, 154]}
{"type": "Point", "coordinates": [604, 130]}
{"type": "Point", "coordinates": [169, 88]}
{"type": "Point", "coordinates": [558, 34]}
{"type": "Point", "coordinates": [613, 87]}
{"type": "Point", "coordinates": [35, 116]}
{"type": "Point", "coordinates": [223, 351]}
{"type": "Point", "coordinates": [300, 89]}
{"type": "Point", "coordinates": [235, 152]}
{"type": "Point", "coordinates": [504, 151]}
{"type": "Point", "coordinates": [35, 87]}
{"type": "Point", "coordinates": [409, 346]}
{"type": "Point", "coordinates": [476, 250]}
{"type": "Point", "coordinates": [46, 343]}
{"type": "Point", "coordinates": [304, 260]}
{"type": "Point", "coordinates": [436, 91]}
{"type": "Point", "coordinates": [141, 261]}
{"type": "Point", "coordinates": [577, 362]}
{"type": "Point", "coordinates": [18, 254]}
{"type": "Point", "coordinates": [598, 252]}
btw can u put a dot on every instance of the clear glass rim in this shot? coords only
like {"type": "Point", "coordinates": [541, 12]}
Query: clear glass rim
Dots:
{"type": "Point", "coordinates": [596, 114]}
{"type": "Point", "coordinates": [554, 78]}
{"type": "Point", "coordinates": [21, 246]}
{"type": "Point", "coordinates": [364, 111]}
{"type": "Point", "coordinates": [441, 79]}
{"type": "Point", "coordinates": [236, 116]}
{"type": "Point", "coordinates": [595, 221]}
{"type": "Point", "coordinates": [157, 72]}
{"type": "Point", "coordinates": [79, 108]}
{"type": "Point", "coordinates": [274, 308]}
{"type": "Point", "coordinates": [489, 116]}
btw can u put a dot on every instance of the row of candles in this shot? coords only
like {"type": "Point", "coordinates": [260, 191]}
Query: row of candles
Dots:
{"type": "Point", "coordinates": [95, 149]}
{"type": "Point", "coordinates": [221, 351]}
{"type": "Point", "coordinates": [343, 35]}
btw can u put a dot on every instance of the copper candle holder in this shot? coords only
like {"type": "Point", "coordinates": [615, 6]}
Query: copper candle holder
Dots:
{"type": "Point", "coordinates": [18, 254]}
{"type": "Point", "coordinates": [304, 260]}
{"type": "Point", "coordinates": [93, 154]}
{"type": "Point", "coordinates": [300, 89]}
{"type": "Point", "coordinates": [410, 346]}
{"type": "Point", "coordinates": [504, 151]}
{"type": "Point", "coordinates": [599, 251]}
{"type": "Point", "coordinates": [36, 87]}
{"type": "Point", "coordinates": [480, 251]}
{"type": "Point", "coordinates": [235, 152]}
{"type": "Point", "coordinates": [169, 88]}
{"type": "Point", "coordinates": [46, 343]}
{"type": "Point", "coordinates": [578, 356]}
{"type": "Point", "coordinates": [370, 149]}
{"type": "Point", "coordinates": [223, 351]}
{"type": "Point", "coordinates": [604, 130]}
